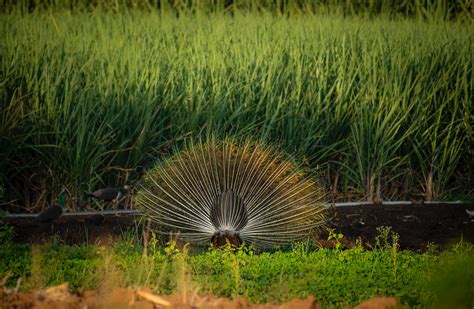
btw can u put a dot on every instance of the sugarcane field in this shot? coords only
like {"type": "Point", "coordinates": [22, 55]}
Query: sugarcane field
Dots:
{"type": "Point", "coordinates": [236, 154]}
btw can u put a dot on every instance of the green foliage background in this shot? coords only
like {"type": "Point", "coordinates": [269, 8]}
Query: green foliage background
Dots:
{"type": "Point", "coordinates": [92, 94]}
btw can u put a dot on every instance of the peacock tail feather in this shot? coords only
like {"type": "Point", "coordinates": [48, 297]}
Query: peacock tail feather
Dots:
{"type": "Point", "coordinates": [246, 191]}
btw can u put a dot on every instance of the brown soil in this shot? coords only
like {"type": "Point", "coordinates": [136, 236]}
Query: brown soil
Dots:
{"type": "Point", "coordinates": [417, 225]}
{"type": "Point", "coordinates": [60, 297]}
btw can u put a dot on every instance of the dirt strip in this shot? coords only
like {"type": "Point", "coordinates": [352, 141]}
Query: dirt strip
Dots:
{"type": "Point", "coordinates": [417, 225]}
{"type": "Point", "coordinates": [60, 297]}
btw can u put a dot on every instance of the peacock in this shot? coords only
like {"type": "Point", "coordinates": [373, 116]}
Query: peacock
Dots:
{"type": "Point", "coordinates": [224, 191]}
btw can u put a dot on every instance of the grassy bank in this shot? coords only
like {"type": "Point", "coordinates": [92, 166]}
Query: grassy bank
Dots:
{"type": "Point", "coordinates": [336, 277]}
{"type": "Point", "coordinates": [92, 97]}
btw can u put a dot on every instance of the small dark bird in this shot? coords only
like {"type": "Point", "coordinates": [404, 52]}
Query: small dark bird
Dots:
{"type": "Point", "coordinates": [49, 215]}
{"type": "Point", "coordinates": [110, 194]}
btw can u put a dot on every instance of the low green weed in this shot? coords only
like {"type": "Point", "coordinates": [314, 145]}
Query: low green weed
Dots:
{"type": "Point", "coordinates": [337, 277]}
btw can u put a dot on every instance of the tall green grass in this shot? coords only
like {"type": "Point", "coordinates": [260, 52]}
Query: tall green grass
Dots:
{"type": "Point", "coordinates": [379, 108]}
{"type": "Point", "coordinates": [421, 9]}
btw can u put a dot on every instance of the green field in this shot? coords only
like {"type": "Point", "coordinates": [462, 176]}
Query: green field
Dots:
{"type": "Point", "coordinates": [370, 103]}
{"type": "Point", "coordinates": [374, 98]}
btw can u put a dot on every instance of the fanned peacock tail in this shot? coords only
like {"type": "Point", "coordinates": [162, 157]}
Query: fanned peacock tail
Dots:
{"type": "Point", "coordinates": [225, 192]}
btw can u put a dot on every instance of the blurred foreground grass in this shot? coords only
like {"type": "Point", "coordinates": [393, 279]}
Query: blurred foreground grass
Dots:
{"type": "Point", "coordinates": [336, 277]}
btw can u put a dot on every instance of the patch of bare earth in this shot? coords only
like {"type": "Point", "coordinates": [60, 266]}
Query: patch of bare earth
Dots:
{"type": "Point", "coordinates": [60, 297]}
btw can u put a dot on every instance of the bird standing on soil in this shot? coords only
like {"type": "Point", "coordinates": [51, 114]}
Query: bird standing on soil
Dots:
{"type": "Point", "coordinates": [110, 194]}
{"type": "Point", "coordinates": [224, 192]}
{"type": "Point", "coordinates": [49, 215]}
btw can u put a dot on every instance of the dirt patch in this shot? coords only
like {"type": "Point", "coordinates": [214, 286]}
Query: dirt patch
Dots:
{"type": "Point", "coordinates": [417, 225]}
{"type": "Point", "coordinates": [380, 302]}
{"type": "Point", "coordinates": [59, 297]}
{"type": "Point", "coordinates": [74, 230]}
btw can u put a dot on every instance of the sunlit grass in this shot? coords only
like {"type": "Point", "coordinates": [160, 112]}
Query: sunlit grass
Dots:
{"type": "Point", "coordinates": [92, 98]}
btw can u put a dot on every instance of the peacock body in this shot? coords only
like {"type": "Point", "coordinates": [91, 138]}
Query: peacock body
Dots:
{"type": "Point", "coordinates": [221, 191]}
